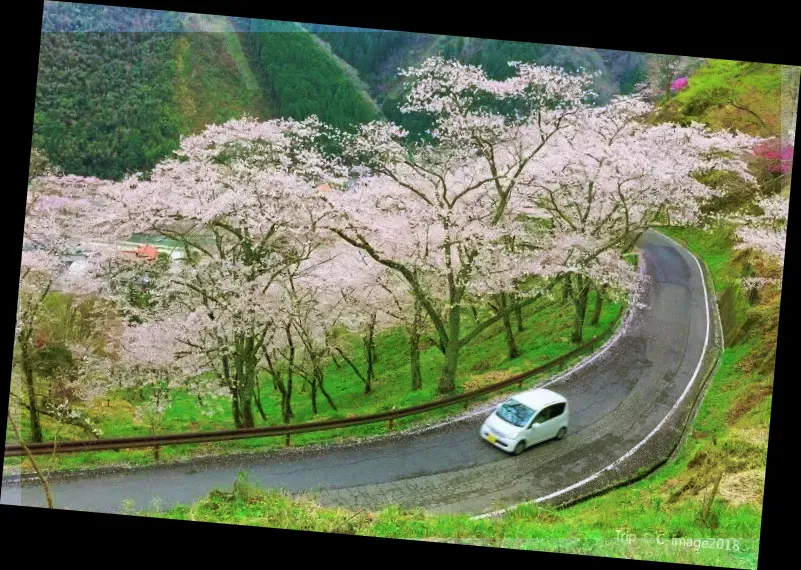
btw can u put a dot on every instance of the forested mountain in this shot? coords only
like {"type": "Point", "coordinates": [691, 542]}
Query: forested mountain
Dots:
{"type": "Point", "coordinates": [111, 103]}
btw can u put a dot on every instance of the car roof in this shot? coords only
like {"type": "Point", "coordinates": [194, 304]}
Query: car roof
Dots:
{"type": "Point", "coordinates": [538, 398]}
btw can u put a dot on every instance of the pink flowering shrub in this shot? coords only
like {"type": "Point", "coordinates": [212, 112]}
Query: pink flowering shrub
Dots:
{"type": "Point", "coordinates": [778, 157]}
{"type": "Point", "coordinates": [679, 84]}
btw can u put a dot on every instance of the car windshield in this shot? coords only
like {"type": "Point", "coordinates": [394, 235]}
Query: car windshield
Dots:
{"type": "Point", "coordinates": [515, 413]}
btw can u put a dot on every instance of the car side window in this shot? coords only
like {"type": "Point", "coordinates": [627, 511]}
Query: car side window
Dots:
{"type": "Point", "coordinates": [557, 410]}
{"type": "Point", "coordinates": [543, 416]}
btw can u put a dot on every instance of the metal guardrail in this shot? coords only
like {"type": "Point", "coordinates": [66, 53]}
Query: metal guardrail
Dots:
{"type": "Point", "coordinates": [155, 441]}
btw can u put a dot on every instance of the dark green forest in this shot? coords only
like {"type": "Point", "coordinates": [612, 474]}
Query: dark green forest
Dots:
{"type": "Point", "coordinates": [110, 104]}
{"type": "Point", "coordinates": [303, 79]}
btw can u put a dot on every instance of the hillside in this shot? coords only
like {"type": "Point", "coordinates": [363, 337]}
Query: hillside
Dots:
{"type": "Point", "coordinates": [760, 99]}
{"type": "Point", "coordinates": [111, 103]}
{"type": "Point", "coordinates": [378, 54]}
{"type": "Point", "coordinates": [749, 97]}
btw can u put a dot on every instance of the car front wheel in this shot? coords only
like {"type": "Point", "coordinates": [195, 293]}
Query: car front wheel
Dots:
{"type": "Point", "coordinates": [561, 433]}
{"type": "Point", "coordinates": [520, 447]}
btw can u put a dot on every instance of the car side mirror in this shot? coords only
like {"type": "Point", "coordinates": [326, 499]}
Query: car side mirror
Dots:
{"type": "Point", "coordinates": [534, 425]}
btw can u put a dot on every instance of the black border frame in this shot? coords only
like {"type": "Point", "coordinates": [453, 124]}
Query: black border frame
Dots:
{"type": "Point", "coordinates": [655, 28]}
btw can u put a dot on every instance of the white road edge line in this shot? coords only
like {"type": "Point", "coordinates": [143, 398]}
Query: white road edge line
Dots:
{"type": "Point", "coordinates": [647, 437]}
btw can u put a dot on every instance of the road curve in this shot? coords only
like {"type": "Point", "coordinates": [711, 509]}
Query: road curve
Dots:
{"type": "Point", "coordinates": [617, 400]}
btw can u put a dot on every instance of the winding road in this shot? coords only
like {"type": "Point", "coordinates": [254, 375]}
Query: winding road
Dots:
{"type": "Point", "coordinates": [628, 407]}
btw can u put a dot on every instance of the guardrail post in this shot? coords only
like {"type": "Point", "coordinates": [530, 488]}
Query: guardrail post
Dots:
{"type": "Point", "coordinates": [390, 424]}
{"type": "Point", "coordinates": [156, 452]}
{"type": "Point", "coordinates": [287, 443]}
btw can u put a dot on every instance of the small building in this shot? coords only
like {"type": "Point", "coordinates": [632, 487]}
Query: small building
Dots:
{"type": "Point", "coordinates": [151, 251]}
{"type": "Point", "coordinates": [147, 251]}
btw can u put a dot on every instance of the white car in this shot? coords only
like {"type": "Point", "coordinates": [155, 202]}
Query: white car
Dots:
{"type": "Point", "coordinates": [527, 419]}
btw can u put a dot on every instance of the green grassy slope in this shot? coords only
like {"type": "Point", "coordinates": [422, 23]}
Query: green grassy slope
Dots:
{"type": "Point", "coordinates": [733, 95]}
{"type": "Point", "coordinates": [648, 533]}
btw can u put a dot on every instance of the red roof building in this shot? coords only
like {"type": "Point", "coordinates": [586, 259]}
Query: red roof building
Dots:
{"type": "Point", "coordinates": [148, 251]}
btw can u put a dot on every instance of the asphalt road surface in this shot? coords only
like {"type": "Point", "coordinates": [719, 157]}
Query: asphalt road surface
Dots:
{"type": "Point", "coordinates": [616, 400]}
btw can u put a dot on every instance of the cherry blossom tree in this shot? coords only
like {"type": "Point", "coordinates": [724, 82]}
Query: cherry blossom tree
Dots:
{"type": "Point", "coordinates": [241, 199]}
{"type": "Point", "coordinates": [614, 177]}
{"type": "Point", "coordinates": [485, 133]}
{"type": "Point", "coordinates": [310, 310]}
{"type": "Point", "coordinates": [504, 124]}
{"type": "Point", "coordinates": [440, 239]}
{"type": "Point", "coordinates": [368, 303]}
{"type": "Point", "coordinates": [51, 234]}
{"type": "Point", "coordinates": [388, 301]}
{"type": "Point", "coordinates": [767, 232]}
{"type": "Point", "coordinates": [148, 366]}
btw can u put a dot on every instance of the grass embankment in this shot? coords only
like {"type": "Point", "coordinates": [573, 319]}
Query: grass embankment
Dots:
{"type": "Point", "coordinates": [546, 335]}
{"type": "Point", "coordinates": [662, 516]}
{"type": "Point", "coordinates": [583, 529]}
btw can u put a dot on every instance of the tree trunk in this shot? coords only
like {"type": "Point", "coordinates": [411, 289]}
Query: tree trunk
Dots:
{"type": "Point", "coordinates": [246, 381]}
{"type": "Point", "coordinates": [580, 302]}
{"type": "Point", "coordinates": [511, 343]}
{"type": "Point", "coordinates": [33, 409]}
{"type": "Point", "coordinates": [519, 315]}
{"type": "Point", "coordinates": [447, 376]}
{"type": "Point", "coordinates": [414, 348]}
{"type": "Point", "coordinates": [42, 479]}
{"type": "Point", "coordinates": [235, 408]}
{"type": "Point", "coordinates": [599, 304]}
{"type": "Point", "coordinates": [369, 350]}
{"type": "Point", "coordinates": [231, 383]}
{"type": "Point", "coordinates": [366, 381]}
{"type": "Point", "coordinates": [246, 406]}
{"type": "Point", "coordinates": [318, 372]}
{"type": "Point", "coordinates": [313, 385]}
{"type": "Point", "coordinates": [373, 351]}
{"type": "Point", "coordinates": [257, 400]}
{"type": "Point", "coordinates": [286, 406]}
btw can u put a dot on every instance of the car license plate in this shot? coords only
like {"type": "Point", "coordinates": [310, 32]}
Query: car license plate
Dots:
{"type": "Point", "coordinates": [491, 438]}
